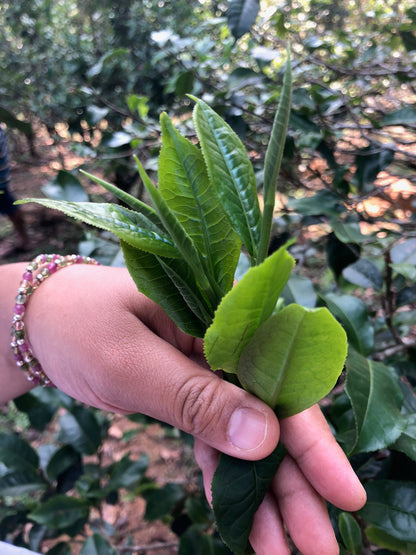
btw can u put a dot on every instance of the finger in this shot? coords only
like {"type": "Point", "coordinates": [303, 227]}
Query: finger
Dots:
{"type": "Point", "coordinates": [309, 440]}
{"type": "Point", "coordinates": [267, 535]}
{"type": "Point", "coordinates": [207, 459]}
{"type": "Point", "coordinates": [303, 511]}
{"type": "Point", "coordinates": [104, 355]}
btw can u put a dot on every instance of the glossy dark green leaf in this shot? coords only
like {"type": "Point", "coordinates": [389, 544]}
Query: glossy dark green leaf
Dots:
{"type": "Point", "coordinates": [244, 308]}
{"type": "Point", "coordinates": [273, 159]}
{"type": "Point", "coordinates": [238, 488]}
{"type": "Point", "coordinates": [21, 482]}
{"type": "Point", "coordinates": [351, 533]}
{"type": "Point", "coordinates": [65, 186]}
{"type": "Point", "coordinates": [132, 227]}
{"type": "Point", "coordinates": [403, 116]}
{"type": "Point", "coordinates": [369, 164]}
{"type": "Point", "coordinates": [81, 429]}
{"type": "Point", "coordinates": [241, 16]}
{"type": "Point", "coordinates": [96, 544]}
{"type": "Point", "coordinates": [17, 454]}
{"type": "Point", "coordinates": [39, 413]}
{"type": "Point", "coordinates": [154, 278]}
{"type": "Point", "coordinates": [60, 512]}
{"type": "Point", "coordinates": [393, 545]}
{"type": "Point", "coordinates": [322, 203]}
{"type": "Point", "coordinates": [127, 473]}
{"type": "Point", "coordinates": [353, 315]}
{"type": "Point", "coordinates": [185, 186]}
{"type": "Point", "coordinates": [346, 231]}
{"type": "Point", "coordinates": [294, 359]}
{"type": "Point", "coordinates": [160, 501]}
{"type": "Point", "coordinates": [63, 459]}
{"type": "Point", "coordinates": [300, 290]}
{"type": "Point", "coordinates": [364, 273]}
{"type": "Point", "coordinates": [407, 441]}
{"type": "Point", "coordinates": [61, 548]}
{"type": "Point", "coordinates": [376, 398]}
{"type": "Point", "coordinates": [404, 252]}
{"type": "Point", "coordinates": [231, 174]}
{"type": "Point", "coordinates": [391, 507]}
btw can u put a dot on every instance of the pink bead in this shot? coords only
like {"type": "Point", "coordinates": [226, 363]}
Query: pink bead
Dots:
{"type": "Point", "coordinates": [79, 259]}
{"type": "Point", "coordinates": [52, 267]}
{"type": "Point", "coordinates": [24, 347]}
{"type": "Point", "coordinates": [18, 358]}
{"type": "Point", "coordinates": [19, 308]}
{"type": "Point", "coordinates": [42, 258]}
{"type": "Point", "coordinates": [27, 276]}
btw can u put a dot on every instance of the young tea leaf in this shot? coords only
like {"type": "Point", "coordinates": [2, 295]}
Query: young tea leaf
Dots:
{"type": "Point", "coordinates": [294, 359]}
{"type": "Point", "coordinates": [231, 174]}
{"type": "Point", "coordinates": [133, 227]}
{"type": "Point", "coordinates": [185, 186]}
{"type": "Point", "coordinates": [244, 308]}
{"type": "Point", "coordinates": [273, 159]}
{"type": "Point", "coordinates": [149, 273]}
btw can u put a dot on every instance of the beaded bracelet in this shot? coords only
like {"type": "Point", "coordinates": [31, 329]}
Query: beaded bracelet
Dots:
{"type": "Point", "coordinates": [43, 266]}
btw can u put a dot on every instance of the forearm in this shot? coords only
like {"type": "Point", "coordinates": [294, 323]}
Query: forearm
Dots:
{"type": "Point", "coordinates": [13, 381]}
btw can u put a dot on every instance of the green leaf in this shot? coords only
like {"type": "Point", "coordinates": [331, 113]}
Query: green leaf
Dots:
{"type": "Point", "coordinates": [244, 308]}
{"type": "Point", "coordinates": [403, 116]}
{"type": "Point", "coordinates": [134, 228]}
{"type": "Point", "coordinates": [17, 454]}
{"type": "Point", "coordinates": [161, 501]}
{"type": "Point", "coordinates": [376, 399]}
{"type": "Point", "coordinates": [81, 429]}
{"type": "Point", "coordinates": [40, 413]}
{"type": "Point", "coordinates": [369, 164]}
{"type": "Point", "coordinates": [364, 273]}
{"type": "Point", "coordinates": [60, 512]}
{"type": "Point", "coordinates": [179, 236]}
{"type": "Point", "coordinates": [273, 159]}
{"type": "Point", "coordinates": [231, 174]}
{"type": "Point", "coordinates": [391, 507]}
{"type": "Point", "coordinates": [65, 186]}
{"type": "Point", "coordinates": [300, 290]}
{"type": "Point", "coordinates": [130, 200]}
{"type": "Point", "coordinates": [21, 482]}
{"type": "Point", "coordinates": [386, 541]}
{"type": "Point", "coordinates": [153, 277]}
{"type": "Point", "coordinates": [324, 202]}
{"type": "Point", "coordinates": [407, 441]}
{"type": "Point", "coordinates": [352, 313]}
{"type": "Point", "coordinates": [351, 533]}
{"type": "Point", "coordinates": [96, 544]}
{"type": "Point", "coordinates": [238, 488]}
{"type": "Point", "coordinates": [404, 252]}
{"type": "Point", "coordinates": [294, 359]}
{"type": "Point", "coordinates": [185, 186]}
{"type": "Point", "coordinates": [126, 473]}
{"type": "Point", "coordinates": [63, 459]}
{"type": "Point", "coordinates": [241, 16]}
{"type": "Point", "coordinates": [347, 232]}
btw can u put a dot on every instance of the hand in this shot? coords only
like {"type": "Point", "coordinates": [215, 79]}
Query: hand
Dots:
{"type": "Point", "coordinates": [315, 470]}
{"type": "Point", "coordinates": [105, 344]}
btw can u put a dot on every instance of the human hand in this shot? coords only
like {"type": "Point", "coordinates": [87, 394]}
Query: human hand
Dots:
{"type": "Point", "coordinates": [105, 344]}
{"type": "Point", "coordinates": [314, 470]}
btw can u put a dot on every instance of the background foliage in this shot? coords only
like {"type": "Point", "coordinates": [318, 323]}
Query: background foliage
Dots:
{"type": "Point", "coordinates": [346, 194]}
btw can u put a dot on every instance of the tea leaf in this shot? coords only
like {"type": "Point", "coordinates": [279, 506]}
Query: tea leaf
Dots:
{"type": "Point", "coordinates": [178, 234]}
{"type": "Point", "coordinates": [244, 308]}
{"type": "Point", "coordinates": [185, 186]}
{"type": "Point", "coordinates": [294, 359]}
{"type": "Point", "coordinates": [231, 174]}
{"type": "Point", "coordinates": [133, 227]}
{"type": "Point", "coordinates": [149, 274]}
{"type": "Point", "coordinates": [376, 398]}
{"type": "Point", "coordinates": [238, 488]}
{"type": "Point", "coordinates": [273, 159]}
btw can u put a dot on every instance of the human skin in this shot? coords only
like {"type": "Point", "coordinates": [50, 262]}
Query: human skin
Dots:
{"type": "Point", "coordinates": [103, 343]}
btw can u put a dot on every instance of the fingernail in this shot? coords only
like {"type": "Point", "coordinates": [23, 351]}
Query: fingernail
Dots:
{"type": "Point", "coordinates": [247, 428]}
